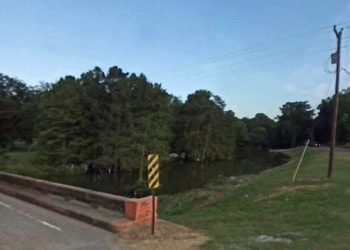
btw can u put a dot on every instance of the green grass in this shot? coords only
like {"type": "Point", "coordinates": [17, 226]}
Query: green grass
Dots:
{"type": "Point", "coordinates": [23, 163]}
{"type": "Point", "coordinates": [314, 212]}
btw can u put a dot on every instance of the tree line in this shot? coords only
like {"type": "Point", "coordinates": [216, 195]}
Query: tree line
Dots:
{"type": "Point", "coordinates": [116, 118]}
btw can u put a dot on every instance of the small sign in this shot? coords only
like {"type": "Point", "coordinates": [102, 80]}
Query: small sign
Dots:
{"type": "Point", "coordinates": [153, 171]}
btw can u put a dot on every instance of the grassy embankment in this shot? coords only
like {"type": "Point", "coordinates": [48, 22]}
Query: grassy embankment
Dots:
{"type": "Point", "coordinates": [312, 213]}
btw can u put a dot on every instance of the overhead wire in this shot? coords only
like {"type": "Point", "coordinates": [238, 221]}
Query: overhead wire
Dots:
{"type": "Point", "coordinates": [224, 57]}
{"type": "Point", "coordinates": [259, 49]}
{"type": "Point", "coordinates": [248, 62]}
{"type": "Point", "coordinates": [184, 75]}
{"type": "Point", "coordinates": [254, 49]}
{"type": "Point", "coordinates": [298, 49]}
{"type": "Point", "coordinates": [265, 63]}
{"type": "Point", "coordinates": [333, 72]}
{"type": "Point", "coordinates": [345, 70]}
{"type": "Point", "coordinates": [287, 51]}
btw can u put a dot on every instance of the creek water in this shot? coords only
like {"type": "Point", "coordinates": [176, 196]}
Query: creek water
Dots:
{"type": "Point", "coordinates": [177, 176]}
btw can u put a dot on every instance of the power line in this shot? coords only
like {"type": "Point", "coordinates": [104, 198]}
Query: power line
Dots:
{"type": "Point", "coordinates": [345, 70]}
{"type": "Point", "coordinates": [185, 74]}
{"type": "Point", "coordinates": [227, 56]}
{"type": "Point", "coordinates": [263, 64]}
{"type": "Point", "coordinates": [297, 49]}
{"type": "Point", "coordinates": [254, 49]}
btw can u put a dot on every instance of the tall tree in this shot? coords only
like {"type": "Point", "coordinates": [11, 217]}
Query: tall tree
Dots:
{"type": "Point", "coordinates": [94, 105]}
{"type": "Point", "coordinates": [140, 122]}
{"type": "Point", "coordinates": [17, 110]}
{"type": "Point", "coordinates": [61, 124]}
{"type": "Point", "coordinates": [242, 135]}
{"type": "Point", "coordinates": [295, 124]}
{"type": "Point", "coordinates": [324, 119]}
{"type": "Point", "coordinates": [204, 128]}
{"type": "Point", "coordinates": [260, 130]}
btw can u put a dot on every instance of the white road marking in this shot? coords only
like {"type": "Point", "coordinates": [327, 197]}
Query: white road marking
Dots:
{"type": "Point", "coordinates": [50, 225]}
{"type": "Point", "coordinates": [5, 205]}
{"type": "Point", "coordinates": [45, 223]}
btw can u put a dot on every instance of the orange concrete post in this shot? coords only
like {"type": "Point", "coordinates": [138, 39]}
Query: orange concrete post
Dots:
{"type": "Point", "coordinates": [140, 210]}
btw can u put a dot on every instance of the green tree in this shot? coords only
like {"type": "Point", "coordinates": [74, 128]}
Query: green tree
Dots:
{"type": "Point", "coordinates": [137, 121]}
{"type": "Point", "coordinates": [295, 124]}
{"type": "Point", "coordinates": [17, 111]}
{"type": "Point", "coordinates": [205, 131]}
{"type": "Point", "coordinates": [324, 119]}
{"type": "Point", "coordinates": [229, 134]}
{"type": "Point", "coordinates": [260, 130]}
{"type": "Point", "coordinates": [242, 135]}
{"type": "Point", "coordinates": [61, 124]}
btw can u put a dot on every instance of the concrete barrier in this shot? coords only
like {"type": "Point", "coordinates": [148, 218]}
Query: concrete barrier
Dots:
{"type": "Point", "coordinates": [138, 210]}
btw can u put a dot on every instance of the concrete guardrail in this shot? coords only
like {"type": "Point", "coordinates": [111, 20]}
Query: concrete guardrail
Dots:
{"type": "Point", "coordinates": [138, 210]}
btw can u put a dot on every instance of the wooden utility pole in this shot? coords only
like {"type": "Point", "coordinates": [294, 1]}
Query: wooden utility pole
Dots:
{"type": "Point", "coordinates": [338, 34]}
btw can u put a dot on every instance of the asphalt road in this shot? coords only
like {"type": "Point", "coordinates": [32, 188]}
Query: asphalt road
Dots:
{"type": "Point", "coordinates": [24, 226]}
{"type": "Point", "coordinates": [337, 149]}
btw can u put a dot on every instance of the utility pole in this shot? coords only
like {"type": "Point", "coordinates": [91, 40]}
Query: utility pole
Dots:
{"type": "Point", "coordinates": [338, 34]}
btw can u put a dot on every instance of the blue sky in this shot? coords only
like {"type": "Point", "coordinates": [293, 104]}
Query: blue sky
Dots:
{"type": "Point", "coordinates": [256, 55]}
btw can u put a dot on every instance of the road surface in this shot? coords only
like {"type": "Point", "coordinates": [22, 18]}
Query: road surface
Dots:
{"type": "Point", "coordinates": [337, 149]}
{"type": "Point", "coordinates": [24, 226]}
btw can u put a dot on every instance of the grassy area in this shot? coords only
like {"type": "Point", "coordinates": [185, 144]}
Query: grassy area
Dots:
{"type": "Point", "coordinates": [22, 163]}
{"type": "Point", "coordinates": [312, 213]}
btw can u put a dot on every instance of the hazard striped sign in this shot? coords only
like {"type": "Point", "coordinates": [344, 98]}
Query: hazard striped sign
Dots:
{"type": "Point", "coordinates": [153, 171]}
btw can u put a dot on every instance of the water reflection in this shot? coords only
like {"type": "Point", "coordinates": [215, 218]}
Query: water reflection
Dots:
{"type": "Point", "coordinates": [177, 176]}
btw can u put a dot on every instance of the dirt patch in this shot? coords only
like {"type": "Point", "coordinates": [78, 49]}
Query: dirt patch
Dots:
{"type": "Point", "coordinates": [289, 189]}
{"type": "Point", "coordinates": [167, 236]}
